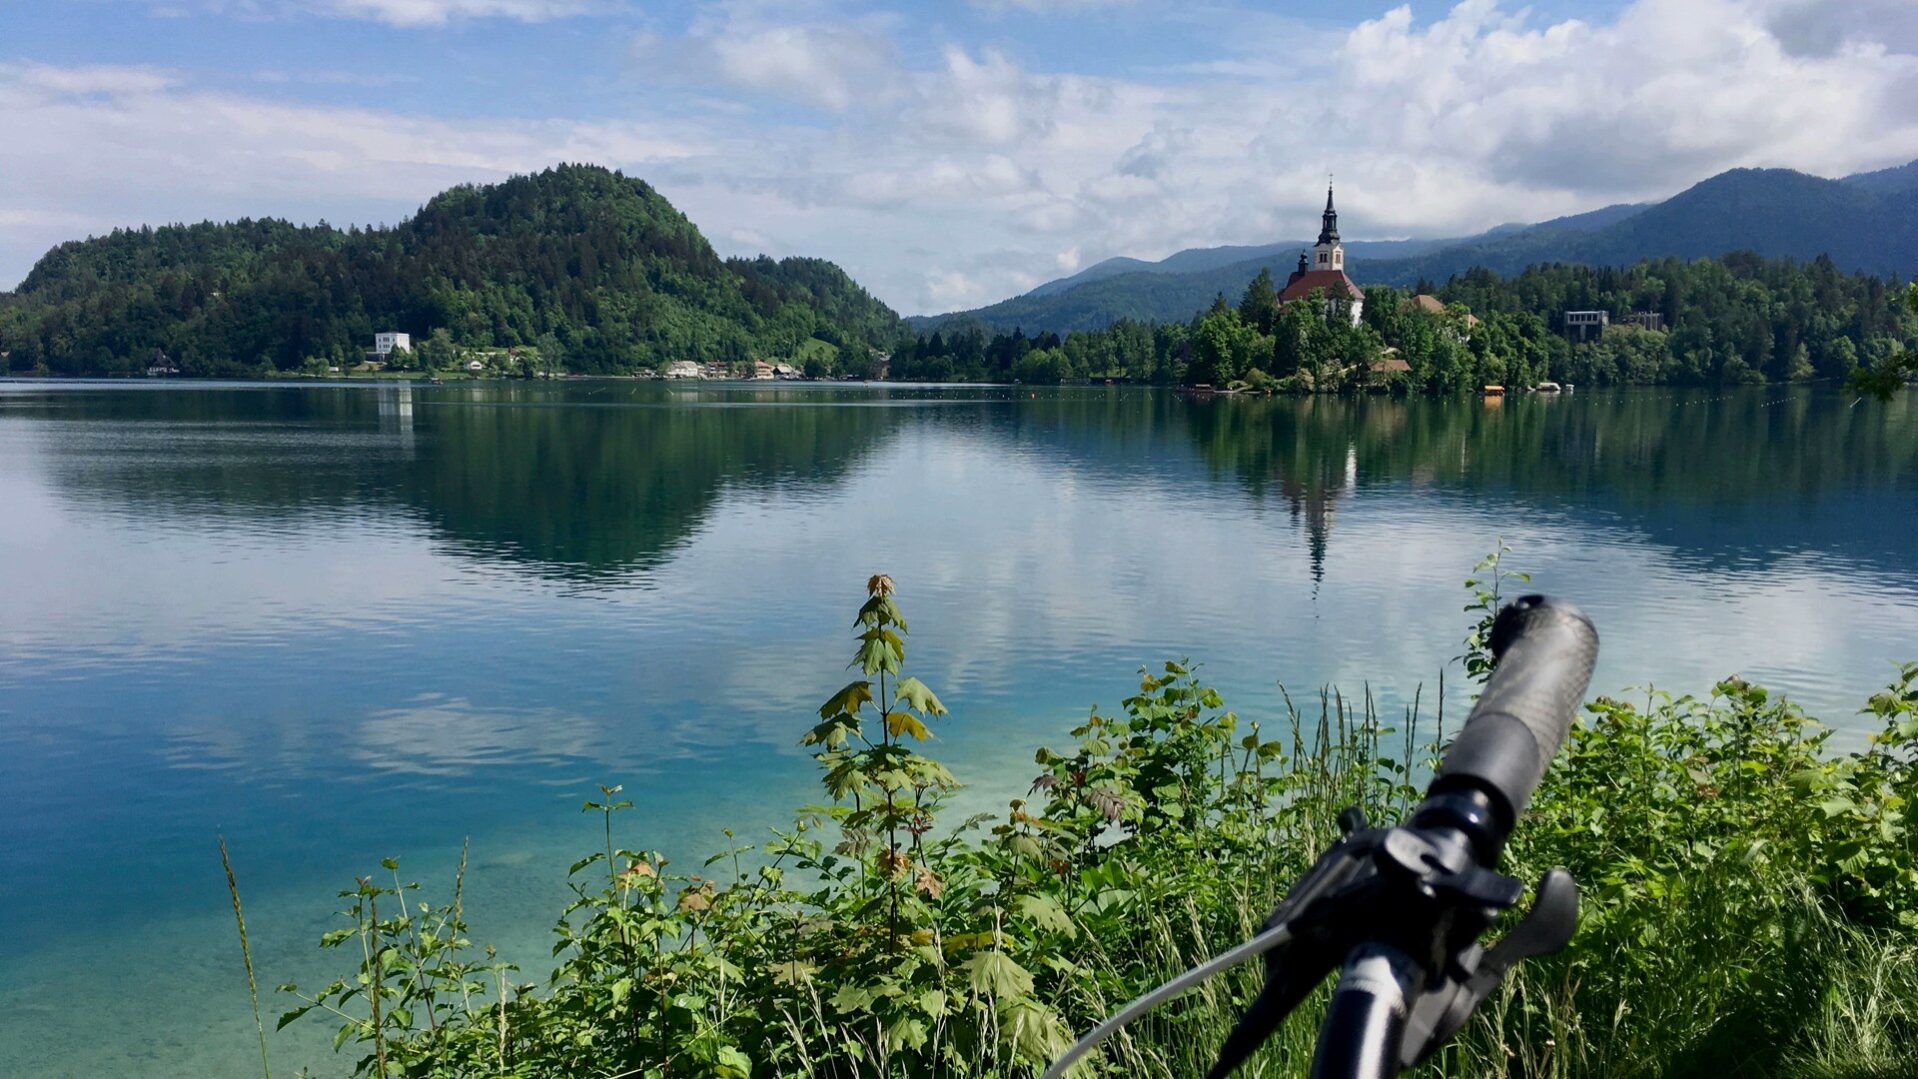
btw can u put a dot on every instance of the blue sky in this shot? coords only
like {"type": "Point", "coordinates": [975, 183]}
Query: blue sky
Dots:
{"type": "Point", "coordinates": [947, 154]}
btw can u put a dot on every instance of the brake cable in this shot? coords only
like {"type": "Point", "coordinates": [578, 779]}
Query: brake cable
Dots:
{"type": "Point", "coordinates": [1265, 941]}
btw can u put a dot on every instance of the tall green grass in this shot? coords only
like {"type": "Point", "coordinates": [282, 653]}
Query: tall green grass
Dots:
{"type": "Point", "coordinates": [1750, 901]}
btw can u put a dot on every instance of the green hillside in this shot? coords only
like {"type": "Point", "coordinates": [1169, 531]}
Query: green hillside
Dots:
{"type": "Point", "coordinates": [593, 268]}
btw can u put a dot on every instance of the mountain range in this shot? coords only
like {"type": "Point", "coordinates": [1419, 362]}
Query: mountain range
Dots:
{"type": "Point", "coordinates": [1866, 223]}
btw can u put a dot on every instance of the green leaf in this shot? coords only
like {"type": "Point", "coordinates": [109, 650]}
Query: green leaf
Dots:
{"type": "Point", "coordinates": [877, 654]}
{"type": "Point", "coordinates": [994, 972]}
{"type": "Point", "coordinates": [847, 700]}
{"type": "Point", "coordinates": [1046, 913]}
{"type": "Point", "coordinates": [852, 998]}
{"type": "Point", "coordinates": [918, 697]}
{"type": "Point", "coordinates": [906, 1032]}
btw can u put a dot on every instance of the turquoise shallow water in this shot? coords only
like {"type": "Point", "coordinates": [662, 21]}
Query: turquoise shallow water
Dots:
{"type": "Point", "coordinates": [340, 623]}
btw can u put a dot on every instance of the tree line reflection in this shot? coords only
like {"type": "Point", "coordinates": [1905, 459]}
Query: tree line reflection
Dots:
{"type": "Point", "coordinates": [599, 481]}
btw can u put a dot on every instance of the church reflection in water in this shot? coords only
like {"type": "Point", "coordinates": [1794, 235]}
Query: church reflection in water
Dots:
{"type": "Point", "coordinates": [1313, 497]}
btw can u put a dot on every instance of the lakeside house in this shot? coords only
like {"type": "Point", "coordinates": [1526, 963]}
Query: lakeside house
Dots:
{"type": "Point", "coordinates": [1585, 325]}
{"type": "Point", "coordinates": [385, 344]}
{"type": "Point", "coordinates": [1390, 363]}
{"type": "Point", "coordinates": [683, 369]}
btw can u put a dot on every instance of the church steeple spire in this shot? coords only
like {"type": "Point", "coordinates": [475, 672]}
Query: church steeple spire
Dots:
{"type": "Point", "coordinates": [1328, 253]}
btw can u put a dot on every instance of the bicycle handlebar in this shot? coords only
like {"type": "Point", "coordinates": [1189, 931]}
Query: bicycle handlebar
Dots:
{"type": "Point", "coordinates": [1545, 650]}
{"type": "Point", "coordinates": [1399, 910]}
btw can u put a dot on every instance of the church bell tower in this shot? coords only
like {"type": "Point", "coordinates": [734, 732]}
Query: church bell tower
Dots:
{"type": "Point", "coordinates": [1328, 253]}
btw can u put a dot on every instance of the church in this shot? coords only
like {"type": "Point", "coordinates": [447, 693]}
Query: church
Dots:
{"type": "Point", "coordinates": [1325, 269]}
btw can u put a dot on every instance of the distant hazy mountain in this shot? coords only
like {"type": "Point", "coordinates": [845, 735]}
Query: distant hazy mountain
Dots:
{"type": "Point", "coordinates": [1897, 178]}
{"type": "Point", "coordinates": [1867, 222]}
{"type": "Point", "coordinates": [1195, 260]}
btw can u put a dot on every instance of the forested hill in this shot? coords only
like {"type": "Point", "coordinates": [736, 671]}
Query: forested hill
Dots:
{"type": "Point", "coordinates": [1866, 223]}
{"type": "Point", "coordinates": [594, 269]}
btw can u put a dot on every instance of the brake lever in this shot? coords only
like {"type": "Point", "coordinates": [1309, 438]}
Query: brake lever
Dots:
{"type": "Point", "coordinates": [1440, 1013]}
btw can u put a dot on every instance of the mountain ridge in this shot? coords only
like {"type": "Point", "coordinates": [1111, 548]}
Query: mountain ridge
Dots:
{"type": "Point", "coordinates": [1865, 222]}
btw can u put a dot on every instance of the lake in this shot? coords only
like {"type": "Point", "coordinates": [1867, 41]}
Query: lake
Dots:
{"type": "Point", "coordinates": [338, 623]}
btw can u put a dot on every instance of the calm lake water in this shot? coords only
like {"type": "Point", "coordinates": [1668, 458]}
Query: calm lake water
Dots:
{"type": "Point", "coordinates": [339, 623]}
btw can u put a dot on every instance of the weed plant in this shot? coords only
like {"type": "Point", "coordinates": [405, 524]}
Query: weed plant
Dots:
{"type": "Point", "coordinates": [1750, 903]}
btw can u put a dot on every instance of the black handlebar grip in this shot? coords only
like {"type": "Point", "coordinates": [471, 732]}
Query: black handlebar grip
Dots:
{"type": "Point", "coordinates": [1545, 649]}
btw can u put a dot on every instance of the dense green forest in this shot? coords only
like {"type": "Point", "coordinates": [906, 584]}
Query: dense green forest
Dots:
{"type": "Point", "coordinates": [581, 269]}
{"type": "Point", "coordinates": [587, 269]}
{"type": "Point", "coordinates": [1736, 319]}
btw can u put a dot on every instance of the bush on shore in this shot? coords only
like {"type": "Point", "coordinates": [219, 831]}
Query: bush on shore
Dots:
{"type": "Point", "coordinates": [1750, 901]}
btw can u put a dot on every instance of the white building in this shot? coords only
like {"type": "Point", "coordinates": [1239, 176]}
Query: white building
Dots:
{"type": "Point", "coordinates": [684, 369]}
{"type": "Point", "coordinates": [1584, 325]}
{"type": "Point", "coordinates": [1325, 273]}
{"type": "Point", "coordinates": [384, 343]}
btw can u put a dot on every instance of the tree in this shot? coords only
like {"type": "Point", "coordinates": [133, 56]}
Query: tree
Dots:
{"type": "Point", "coordinates": [550, 353]}
{"type": "Point", "coordinates": [1260, 304]}
{"type": "Point", "coordinates": [1223, 347]}
{"type": "Point", "coordinates": [1883, 378]}
{"type": "Point", "coordinates": [438, 352]}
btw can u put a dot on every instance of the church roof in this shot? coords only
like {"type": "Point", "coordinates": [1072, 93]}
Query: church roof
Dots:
{"type": "Point", "coordinates": [1331, 281]}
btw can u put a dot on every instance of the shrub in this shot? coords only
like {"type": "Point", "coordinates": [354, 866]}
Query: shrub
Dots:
{"type": "Point", "coordinates": [1748, 901]}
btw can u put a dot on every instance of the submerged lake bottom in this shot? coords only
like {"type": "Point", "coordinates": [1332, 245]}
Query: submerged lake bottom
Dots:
{"type": "Point", "coordinates": [336, 623]}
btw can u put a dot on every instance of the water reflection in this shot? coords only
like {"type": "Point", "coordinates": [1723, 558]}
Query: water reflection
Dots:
{"type": "Point", "coordinates": [338, 623]}
{"type": "Point", "coordinates": [596, 483]}
{"type": "Point", "coordinates": [437, 735]}
{"type": "Point", "coordinates": [594, 491]}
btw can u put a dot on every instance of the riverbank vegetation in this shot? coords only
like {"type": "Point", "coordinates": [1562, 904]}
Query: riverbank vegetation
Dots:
{"type": "Point", "coordinates": [1750, 899]}
{"type": "Point", "coordinates": [1738, 319]}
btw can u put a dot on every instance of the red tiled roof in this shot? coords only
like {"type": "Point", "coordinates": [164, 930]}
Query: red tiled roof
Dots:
{"type": "Point", "coordinates": [1329, 280]}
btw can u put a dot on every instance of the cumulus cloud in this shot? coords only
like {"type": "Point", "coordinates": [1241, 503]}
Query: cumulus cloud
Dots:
{"type": "Point", "coordinates": [403, 13]}
{"type": "Point", "coordinates": [828, 67]}
{"type": "Point", "coordinates": [945, 172]}
{"type": "Point", "coordinates": [78, 138]}
{"type": "Point", "coordinates": [1050, 7]}
{"type": "Point", "coordinates": [1443, 126]}
{"type": "Point", "coordinates": [437, 12]}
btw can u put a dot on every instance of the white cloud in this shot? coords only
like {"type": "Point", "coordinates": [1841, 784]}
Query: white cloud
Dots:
{"type": "Point", "coordinates": [1050, 7]}
{"type": "Point", "coordinates": [403, 13]}
{"type": "Point", "coordinates": [947, 173]}
{"type": "Point", "coordinates": [830, 64]}
{"type": "Point", "coordinates": [438, 12]}
{"type": "Point", "coordinates": [1447, 126]}
{"type": "Point", "coordinates": [75, 137]}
